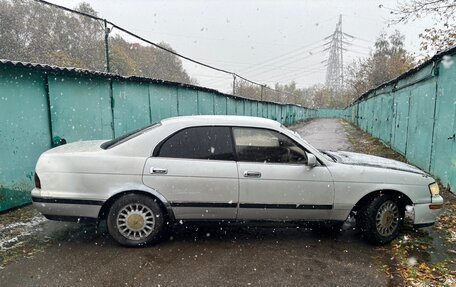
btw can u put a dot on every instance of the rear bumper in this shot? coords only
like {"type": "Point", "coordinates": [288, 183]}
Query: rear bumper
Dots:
{"type": "Point", "coordinates": [426, 213]}
{"type": "Point", "coordinates": [65, 209]}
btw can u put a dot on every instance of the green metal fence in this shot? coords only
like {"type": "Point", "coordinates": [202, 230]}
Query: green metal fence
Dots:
{"type": "Point", "coordinates": [415, 114]}
{"type": "Point", "coordinates": [40, 103]}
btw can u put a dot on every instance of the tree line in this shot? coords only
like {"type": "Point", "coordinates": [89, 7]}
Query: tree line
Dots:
{"type": "Point", "coordinates": [33, 32]}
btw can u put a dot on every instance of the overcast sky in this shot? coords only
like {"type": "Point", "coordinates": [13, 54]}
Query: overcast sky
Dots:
{"type": "Point", "coordinates": [265, 41]}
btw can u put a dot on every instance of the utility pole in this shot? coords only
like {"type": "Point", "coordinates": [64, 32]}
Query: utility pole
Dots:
{"type": "Point", "coordinates": [107, 31]}
{"type": "Point", "coordinates": [262, 88]}
{"type": "Point", "coordinates": [335, 61]}
{"type": "Point", "coordinates": [234, 84]}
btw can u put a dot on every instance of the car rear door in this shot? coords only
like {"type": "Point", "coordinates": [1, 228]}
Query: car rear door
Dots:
{"type": "Point", "coordinates": [194, 169]}
{"type": "Point", "coordinates": [275, 181]}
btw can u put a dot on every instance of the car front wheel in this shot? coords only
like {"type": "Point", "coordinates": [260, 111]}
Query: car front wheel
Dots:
{"type": "Point", "coordinates": [135, 220]}
{"type": "Point", "coordinates": [381, 219]}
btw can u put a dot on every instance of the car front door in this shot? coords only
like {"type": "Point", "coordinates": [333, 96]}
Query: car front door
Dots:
{"type": "Point", "coordinates": [275, 181]}
{"type": "Point", "coordinates": [194, 169]}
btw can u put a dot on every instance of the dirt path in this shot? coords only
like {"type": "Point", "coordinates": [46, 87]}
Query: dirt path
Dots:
{"type": "Point", "coordinates": [76, 255]}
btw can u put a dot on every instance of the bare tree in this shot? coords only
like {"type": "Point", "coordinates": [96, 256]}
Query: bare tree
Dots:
{"type": "Point", "coordinates": [33, 32]}
{"type": "Point", "coordinates": [442, 34]}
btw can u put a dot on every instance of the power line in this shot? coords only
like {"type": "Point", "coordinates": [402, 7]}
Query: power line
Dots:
{"type": "Point", "coordinates": [113, 25]}
{"type": "Point", "coordinates": [300, 74]}
{"type": "Point", "coordinates": [289, 68]}
{"type": "Point", "coordinates": [335, 46]}
{"type": "Point", "coordinates": [289, 61]}
{"type": "Point", "coordinates": [288, 54]}
{"type": "Point", "coordinates": [293, 72]}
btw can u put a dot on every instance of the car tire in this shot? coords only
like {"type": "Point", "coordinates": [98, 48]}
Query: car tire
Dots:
{"type": "Point", "coordinates": [381, 219]}
{"type": "Point", "coordinates": [135, 220]}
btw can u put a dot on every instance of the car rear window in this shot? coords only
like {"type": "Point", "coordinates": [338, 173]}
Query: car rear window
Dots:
{"type": "Point", "coordinates": [126, 137]}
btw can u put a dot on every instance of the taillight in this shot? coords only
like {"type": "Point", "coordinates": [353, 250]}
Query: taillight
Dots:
{"type": "Point", "coordinates": [37, 181]}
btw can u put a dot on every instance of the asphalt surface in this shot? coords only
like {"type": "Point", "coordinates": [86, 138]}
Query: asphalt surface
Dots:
{"type": "Point", "coordinates": [206, 256]}
{"type": "Point", "coordinates": [325, 134]}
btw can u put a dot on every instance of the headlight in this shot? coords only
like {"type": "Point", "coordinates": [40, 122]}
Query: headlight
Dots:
{"type": "Point", "coordinates": [434, 188]}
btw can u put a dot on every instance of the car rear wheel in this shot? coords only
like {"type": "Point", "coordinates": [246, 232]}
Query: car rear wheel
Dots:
{"type": "Point", "coordinates": [381, 219]}
{"type": "Point", "coordinates": [135, 220]}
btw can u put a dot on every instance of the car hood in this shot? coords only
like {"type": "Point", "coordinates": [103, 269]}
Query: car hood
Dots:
{"type": "Point", "coordinates": [353, 158]}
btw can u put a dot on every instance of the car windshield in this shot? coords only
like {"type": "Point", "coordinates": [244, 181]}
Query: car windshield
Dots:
{"type": "Point", "coordinates": [126, 137]}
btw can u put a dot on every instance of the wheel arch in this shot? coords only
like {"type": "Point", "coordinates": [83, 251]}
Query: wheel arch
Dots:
{"type": "Point", "coordinates": [402, 197]}
{"type": "Point", "coordinates": [161, 200]}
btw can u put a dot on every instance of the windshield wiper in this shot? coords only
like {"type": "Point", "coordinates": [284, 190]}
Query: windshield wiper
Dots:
{"type": "Point", "coordinates": [329, 155]}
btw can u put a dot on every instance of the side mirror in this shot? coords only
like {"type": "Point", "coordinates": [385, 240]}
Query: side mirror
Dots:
{"type": "Point", "coordinates": [311, 160]}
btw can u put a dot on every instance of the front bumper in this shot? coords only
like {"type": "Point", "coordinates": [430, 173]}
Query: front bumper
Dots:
{"type": "Point", "coordinates": [426, 213]}
{"type": "Point", "coordinates": [65, 209]}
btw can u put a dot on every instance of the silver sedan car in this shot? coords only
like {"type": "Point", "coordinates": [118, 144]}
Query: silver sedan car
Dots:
{"type": "Point", "coordinates": [231, 169]}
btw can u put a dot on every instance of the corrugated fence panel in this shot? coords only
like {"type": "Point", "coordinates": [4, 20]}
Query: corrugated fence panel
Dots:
{"type": "Point", "coordinates": [263, 110]}
{"type": "Point", "coordinates": [444, 153]}
{"type": "Point", "coordinates": [387, 118]}
{"type": "Point", "coordinates": [278, 113]}
{"type": "Point", "coordinates": [376, 112]}
{"type": "Point", "coordinates": [271, 111]}
{"type": "Point", "coordinates": [220, 105]}
{"type": "Point", "coordinates": [421, 124]}
{"type": "Point", "coordinates": [205, 103]}
{"type": "Point", "coordinates": [400, 119]}
{"type": "Point", "coordinates": [230, 106]}
{"type": "Point", "coordinates": [131, 107]}
{"type": "Point", "coordinates": [24, 133]}
{"type": "Point", "coordinates": [80, 108]}
{"type": "Point", "coordinates": [187, 102]}
{"type": "Point", "coordinates": [239, 107]}
{"type": "Point", "coordinates": [254, 107]}
{"type": "Point", "coordinates": [163, 102]}
{"type": "Point", "coordinates": [247, 108]}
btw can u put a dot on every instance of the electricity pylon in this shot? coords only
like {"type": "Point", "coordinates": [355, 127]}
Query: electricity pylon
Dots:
{"type": "Point", "coordinates": [335, 61]}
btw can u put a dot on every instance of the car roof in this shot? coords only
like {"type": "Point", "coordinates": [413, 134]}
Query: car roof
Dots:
{"type": "Point", "coordinates": [221, 120]}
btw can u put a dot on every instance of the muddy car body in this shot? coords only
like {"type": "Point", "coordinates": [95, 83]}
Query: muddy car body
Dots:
{"type": "Point", "coordinates": [226, 169]}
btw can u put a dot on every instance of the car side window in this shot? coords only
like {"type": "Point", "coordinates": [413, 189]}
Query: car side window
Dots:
{"type": "Point", "coordinates": [199, 143]}
{"type": "Point", "coordinates": [262, 145]}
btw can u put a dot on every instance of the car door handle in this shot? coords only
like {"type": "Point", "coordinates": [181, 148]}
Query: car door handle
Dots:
{"type": "Point", "coordinates": [158, 170]}
{"type": "Point", "coordinates": [252, 173]}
